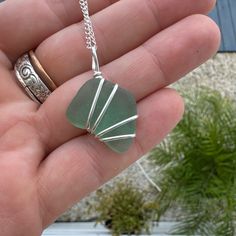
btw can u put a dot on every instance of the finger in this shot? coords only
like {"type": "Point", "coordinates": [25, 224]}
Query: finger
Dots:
{"type": "Point", "coordinates": [9, 89]}
{"type": "Point", "coordinates": [119, 29]}
{"type": "Point", "coordinates": [83, 164]}
{"type": "Point", "coordinates": [160, 61]}
{"type": "Point", "coordinates": [25, 24]}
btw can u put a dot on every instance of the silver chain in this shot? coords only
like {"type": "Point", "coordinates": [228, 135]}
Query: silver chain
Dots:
{"type": "Point", "coordinates": [89, 32]}
{"type": "Point", "coordinates": [90, 37]}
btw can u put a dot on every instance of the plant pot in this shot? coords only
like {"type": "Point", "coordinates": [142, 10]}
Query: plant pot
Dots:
{"type": "Point", "coordinates": [89, 229]}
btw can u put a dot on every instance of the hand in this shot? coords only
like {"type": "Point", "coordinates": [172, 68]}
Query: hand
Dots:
{"type": "Point", "coordinates": [46, 165]}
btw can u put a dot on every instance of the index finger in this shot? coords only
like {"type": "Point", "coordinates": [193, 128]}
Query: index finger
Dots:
{"type": "Point", "coordinates": [25, 24]}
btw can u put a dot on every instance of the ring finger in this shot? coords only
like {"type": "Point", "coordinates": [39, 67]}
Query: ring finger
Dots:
{"type": "Point", "coordinates": [24, 25]}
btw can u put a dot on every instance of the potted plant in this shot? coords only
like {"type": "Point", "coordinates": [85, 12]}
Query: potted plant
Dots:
{"type": "Point", "coordinates": [198, 166]}
{"type": "Point", "coordinates": [124, 210]}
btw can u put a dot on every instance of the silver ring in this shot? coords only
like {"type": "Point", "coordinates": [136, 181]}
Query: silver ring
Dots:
{"type": "Point", "coordinates": [30, 80]}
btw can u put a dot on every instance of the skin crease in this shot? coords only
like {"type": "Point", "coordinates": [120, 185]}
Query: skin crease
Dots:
{"type": "Point", "coordinates": [46, 165]}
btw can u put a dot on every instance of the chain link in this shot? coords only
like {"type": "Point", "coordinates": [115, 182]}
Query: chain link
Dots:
{"type": "Point", "coordinates": [89, 32]}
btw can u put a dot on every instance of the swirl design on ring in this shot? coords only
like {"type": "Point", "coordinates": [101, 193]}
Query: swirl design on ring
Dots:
{"type": "Point", "coordinates": [28, 75]}
{"type": "Point", "coordinates": [29, 79]}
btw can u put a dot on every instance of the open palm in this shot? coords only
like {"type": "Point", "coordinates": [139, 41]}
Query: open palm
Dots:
{"type": "Point", "coordinates": [46, 165]}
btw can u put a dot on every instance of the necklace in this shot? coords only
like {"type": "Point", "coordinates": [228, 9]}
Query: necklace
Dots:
{"type": "Point", "coordinates": [104, 109]}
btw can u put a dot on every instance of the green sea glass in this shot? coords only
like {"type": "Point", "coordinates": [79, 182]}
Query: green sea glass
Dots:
{"type": "Point", "coordinates": [117, 124]}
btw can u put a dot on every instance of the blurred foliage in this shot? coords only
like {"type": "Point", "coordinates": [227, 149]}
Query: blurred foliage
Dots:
{"type": "Point", "coordinates": [124, 210]}
{"type": "Point", "coordinates": [198, 166]}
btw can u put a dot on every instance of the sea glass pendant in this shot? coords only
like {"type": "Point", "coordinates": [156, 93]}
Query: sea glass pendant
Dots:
{"type": "Point", "coordinates": [105, 110]}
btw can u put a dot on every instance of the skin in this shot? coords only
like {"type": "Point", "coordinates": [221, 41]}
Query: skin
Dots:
{"type": "Point", "coordinates": [46, 165]}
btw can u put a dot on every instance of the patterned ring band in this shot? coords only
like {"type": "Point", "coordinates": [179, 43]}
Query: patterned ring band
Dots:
{"type": "Point", "coordinates": [26, 74]}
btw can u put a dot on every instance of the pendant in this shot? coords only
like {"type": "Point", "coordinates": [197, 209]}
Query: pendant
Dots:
{"type": "Point", "coordinates": [106, 111]}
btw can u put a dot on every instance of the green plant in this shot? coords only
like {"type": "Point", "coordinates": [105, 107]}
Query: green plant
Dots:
{"type": "Point", "coordinates": [198, 166]}
{"type": "Point", "coordinates": [124, 210]}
